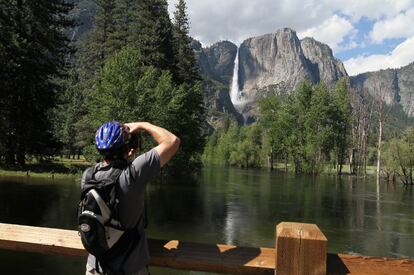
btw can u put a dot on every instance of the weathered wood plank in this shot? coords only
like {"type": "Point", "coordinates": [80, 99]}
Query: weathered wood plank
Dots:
{"type": "Point", "coordinates": [191, 256]}
{"type": "Point", "coordinates": [212, 258]}
{"type": "Point", "coordinates": [349, 264]}
{"type": "Point", "coordinates": [40, 239]}
{"type": "Point", "coordinates": [172, 254]}
{"type": "Point", "coordinates": [300, 249]}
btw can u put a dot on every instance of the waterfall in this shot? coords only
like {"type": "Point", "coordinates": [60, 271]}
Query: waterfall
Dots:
{"type": "Point", "coordinates": [75, 31]}
{"type": "Point", "coordinates": [72, 38]}
{"type": "Point", "coordinates": [236, 95]}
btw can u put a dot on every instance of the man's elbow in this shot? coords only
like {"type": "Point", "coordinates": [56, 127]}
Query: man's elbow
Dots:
{"type": "Point", "coordinates": [176, 143]}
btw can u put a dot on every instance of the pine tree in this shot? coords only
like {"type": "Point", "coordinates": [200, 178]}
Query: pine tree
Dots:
{"type": "Point", "coordinates": [33, 50]}
{"type": "Point", "coordinates": [151, 33]}
{"type": "Point", "coordinates": [67, 114]}
{"type": "Point", "coordinates": [101, 42]}
{"type": "Point", "coordinates": [186, 70]}
{"type": "Point", "coordinates": [144, 25]}
{"type": "Point", "coordinates": [123, 19]}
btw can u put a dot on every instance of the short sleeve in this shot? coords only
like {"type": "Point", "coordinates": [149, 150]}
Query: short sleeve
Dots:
{"type": "Point", "coordinates": [146, 166]}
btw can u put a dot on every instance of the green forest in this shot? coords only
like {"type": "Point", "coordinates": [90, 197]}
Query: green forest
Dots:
{"type": "Point", "coordinates": [318, 129]}
{"type": "Point", "coordinates": [136, 64]}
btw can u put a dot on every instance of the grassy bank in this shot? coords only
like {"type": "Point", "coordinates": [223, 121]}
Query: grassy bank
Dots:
{"type": "Point", "coordinates": [327, 169]}
{"type": "Point", "coordinates": [54, 168]}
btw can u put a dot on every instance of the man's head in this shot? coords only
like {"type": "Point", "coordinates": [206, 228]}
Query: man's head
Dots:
{"type": "Point", "coordinates": [112, 139]}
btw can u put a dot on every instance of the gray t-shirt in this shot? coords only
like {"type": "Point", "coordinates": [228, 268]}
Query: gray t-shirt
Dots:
{"type": "Point", "coordinates": [132, 182]}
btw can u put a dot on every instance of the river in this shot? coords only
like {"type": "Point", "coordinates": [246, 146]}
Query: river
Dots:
{"type": "Point", "coordinates": [226, 205]}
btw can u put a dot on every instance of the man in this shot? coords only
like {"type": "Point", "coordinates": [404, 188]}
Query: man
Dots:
{"type": "Point", "coordinates": [112, 141]}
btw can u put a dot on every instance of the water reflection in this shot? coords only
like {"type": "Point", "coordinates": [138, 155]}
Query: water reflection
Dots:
{"type": "Point", "coordinates": [231, 206]}
{"type": "Point", "coordinates": [39, 202]}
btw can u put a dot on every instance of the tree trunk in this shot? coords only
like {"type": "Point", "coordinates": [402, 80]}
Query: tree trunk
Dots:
{"type": "Point", "coordinates": [351, 161]}
{"type": "Point", "coordinates": [9, 157]}
{"type": "Point", "coordinates": [271, 160]}
{"type": "Point", "coordinates": [21, 157]}
{"type": "Point", "coordinates": [286, 162]}
{"type": "Point", "coordinates": [379, 150]}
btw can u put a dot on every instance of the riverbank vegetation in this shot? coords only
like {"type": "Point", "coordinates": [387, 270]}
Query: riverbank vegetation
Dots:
{"type": "Point", "coordinates": [56, 167]}
{"type": "Point", "coordinates": [316, 129]}
{"type": "Point", "coordinates": [306, 129]}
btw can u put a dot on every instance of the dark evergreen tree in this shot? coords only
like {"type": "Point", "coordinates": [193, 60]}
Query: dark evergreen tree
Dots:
{"type": "Point", "coordinates": [123, 18]}
{"type": "Point", "coordinates": [144, 25]}
{"type": "Point", "coordinates": [68, 115]}
{"type": "Point", "coordinates": [33, 50]}
{"type": "Point", "coordinates": [101, 42]}
{"type": "Point", "coordinates": [186, 70]}
{"type": "Point", "coordinates": [151, 33]}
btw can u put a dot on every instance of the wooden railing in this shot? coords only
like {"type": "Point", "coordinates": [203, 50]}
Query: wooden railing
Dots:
{"type": "Point", "coordinates": [300, 249]}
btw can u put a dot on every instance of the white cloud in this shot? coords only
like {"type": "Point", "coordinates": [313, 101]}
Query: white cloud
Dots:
{"type": "Point", "coordinates": [236, 20]}
{"type": "Point", "coordinates": [402, 55]}
{"type": "Point", "coordinates": [372, 9]}
{"type": "Point", "coordinates": [399, 26]}
{"type": "Point", "coordinates": [332, 32]}
{"type": "Point", "coordinates": [330, 21]}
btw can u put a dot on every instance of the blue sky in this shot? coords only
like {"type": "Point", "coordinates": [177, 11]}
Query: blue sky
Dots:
{"type": "Point", "coordinates": [364, 27]}
{"type": "Point", "coordinates": [366, 35]}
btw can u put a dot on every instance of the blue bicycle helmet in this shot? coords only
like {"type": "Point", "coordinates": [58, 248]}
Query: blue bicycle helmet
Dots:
{"type": "Point", "coordinates": [111, 136]}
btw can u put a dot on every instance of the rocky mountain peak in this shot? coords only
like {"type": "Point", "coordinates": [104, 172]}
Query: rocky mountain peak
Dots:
{"type": "Point", "coordinates": [216, 61]}
{"type": "Point", "coordinates": [281, 59]}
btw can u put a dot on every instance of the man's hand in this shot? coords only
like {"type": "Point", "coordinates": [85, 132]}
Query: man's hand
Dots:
{"type": "Point", "coordinates": [134, 127]}
{"type": "Point", "coordinates": [168, 143]}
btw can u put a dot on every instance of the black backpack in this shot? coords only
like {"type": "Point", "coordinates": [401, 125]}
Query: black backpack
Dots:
{"type": "Point", "coordinates": [101, 233]}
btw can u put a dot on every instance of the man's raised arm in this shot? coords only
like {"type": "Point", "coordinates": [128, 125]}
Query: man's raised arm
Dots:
{"type": "Point", "coordinates": [168, 143]}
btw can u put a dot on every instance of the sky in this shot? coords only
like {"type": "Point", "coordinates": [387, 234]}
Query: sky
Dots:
{"type": "Point", "coordinates": [366, 35]}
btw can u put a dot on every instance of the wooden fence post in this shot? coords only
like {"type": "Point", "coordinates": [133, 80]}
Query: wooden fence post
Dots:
{"type": "Point", "coordinates": [301, 248]}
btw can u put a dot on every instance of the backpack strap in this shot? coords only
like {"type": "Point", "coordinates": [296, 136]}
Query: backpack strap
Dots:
{"type": "Point", "coordinates": [105, 211]}
{"type": "Point", "coordinates": [89, 176]}
{"type": "Point", "coordinates": [90, 181]}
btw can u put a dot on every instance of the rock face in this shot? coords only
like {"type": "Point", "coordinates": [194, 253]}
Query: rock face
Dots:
{"type": "Point", "coordinates": [216, 65]}
{"type": "Point", "coordinates": [405, 77]}
{"type": "Point", "coordinates": [324, 66]}
{"type": "Point", "coordinates": [217, 61]}
{"type": "Point", "coordinates": [277, 58]}
{"type": "Point", "coordinates": [396, 86]}
{"type": "Point", "coordinates": [271, 59]}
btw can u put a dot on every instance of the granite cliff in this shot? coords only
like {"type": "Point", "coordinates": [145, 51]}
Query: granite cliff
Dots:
{"type": "Point", "coordinates": [282, 59]}
{"type": "Point", "coordinates": [395, 86]}
{"type": "Point", "coordinates": [268, 64]}
{"type": "Point", "coordinates": [216, 65]}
